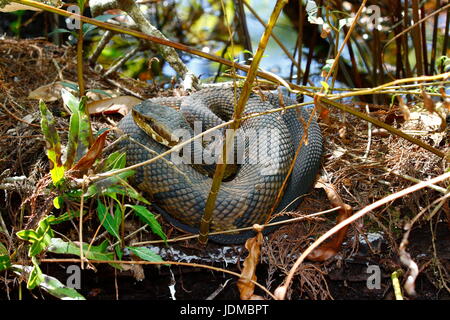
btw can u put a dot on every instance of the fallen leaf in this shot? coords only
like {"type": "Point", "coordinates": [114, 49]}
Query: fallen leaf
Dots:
{"type": "Point", "coordinates": [329, 249]}
{"type": "Point", "coordinates": [122, 105]}
{"type": "Point", "coordinates": [404, 108]}
{"type": "Point", "coordinates": [428, 102]}
{"type": "Point", "coordinates": [445, 98]}
{"type": "Point", "coordinates": [48, 93]}
{"type": "Point", "coordinates": [136, 269]}
{"type": "Point", "coordinates": [245, 286]}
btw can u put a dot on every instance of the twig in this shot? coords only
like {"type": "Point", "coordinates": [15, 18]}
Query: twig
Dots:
{"type": "Point", "coordinates": [405, 257]}
{"type": "Point", "coordinates": [347, 37]}
{"type": "Point", "coordinates": [121, 62]}
{"type": "Point", "coordinates": [81, 223]}
{"type": "Point", "coordinates": [241, 229]}
{"type": "Point", "coordinates": [107, 36]}
{"type": "Point", "coordinates": [168, 53]}
{"type": "Point", "coordinates": [280, 292]}
{"type": "Point", "coordinates": [218, 290]}
{"type": "Point", "coordinates": [3, 226]}
{"type": "Point", "coordinates": [187, 264]}
{"type": "Point", "coordinates": [273, 35]}
{"type": "Point", "coordinates": [369, 136]}
{"type": "Point", "coordinates": [118, 85]}
{"type": "Point", "coordinates": [239, 108]}
{"type": "Point", "coordinates": [446, 7]}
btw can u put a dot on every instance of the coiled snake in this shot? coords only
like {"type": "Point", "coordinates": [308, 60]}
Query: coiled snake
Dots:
{"type": "Point", "coordinates": [180, 191]}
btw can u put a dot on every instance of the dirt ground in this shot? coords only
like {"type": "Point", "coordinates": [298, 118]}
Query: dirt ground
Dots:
{"type": "Point", "coordinates": [360, 168]}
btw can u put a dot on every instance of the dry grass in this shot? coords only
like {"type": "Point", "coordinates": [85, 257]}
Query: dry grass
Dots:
{"type": "Point", "coordinates": [360, 177]}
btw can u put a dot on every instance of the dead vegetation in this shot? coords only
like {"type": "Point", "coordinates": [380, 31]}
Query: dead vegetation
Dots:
{"type": "Point", "coordinates": [363, 164]}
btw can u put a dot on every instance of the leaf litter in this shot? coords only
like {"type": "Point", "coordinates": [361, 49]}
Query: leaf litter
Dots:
{"type": "Point", "coordinates": [34, 64]}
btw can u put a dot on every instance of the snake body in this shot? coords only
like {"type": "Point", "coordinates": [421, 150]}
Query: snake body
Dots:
{"type": "Point", "coordinates": [180, 191]}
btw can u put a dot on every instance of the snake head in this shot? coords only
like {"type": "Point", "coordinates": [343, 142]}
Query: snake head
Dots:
{"type": "Point", "coordinates": [160, 122]}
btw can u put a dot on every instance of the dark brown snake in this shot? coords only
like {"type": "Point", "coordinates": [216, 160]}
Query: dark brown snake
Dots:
{"type": "Point", "coordinates": [180, 191]}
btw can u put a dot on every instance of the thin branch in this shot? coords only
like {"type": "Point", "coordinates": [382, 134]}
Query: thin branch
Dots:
{"type": "Point", "coordinates": [280, 292]}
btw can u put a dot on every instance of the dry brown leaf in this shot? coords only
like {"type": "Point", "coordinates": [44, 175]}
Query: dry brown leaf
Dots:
{"type": "Point", "coordinates": [136, 269]}
{"type": "Point", "coordinates": [49, 92]}
{"type": "Point", "coordinates": [52, 92]}
{"type": "Point", "coordinates": [428, 102]}
{"type": "Point", "coordinates": [343, 133]}
{"type": "Point", "coordinates": [86, 162]}
{"type": "Point", "coordinates": [122, 105]}
{"type": "Point", "coordinates": [326, 30]}
{"type": "Point", "coordinates": [329, 249]}
{"type": "Point", "coordinates": [323, 111]}
{"type": "Point", "coordinates": [245, 286]}
{"type": "Point", "coordinates": [404, 108]}
{"type": "Point", "coordinates": [445, 99]}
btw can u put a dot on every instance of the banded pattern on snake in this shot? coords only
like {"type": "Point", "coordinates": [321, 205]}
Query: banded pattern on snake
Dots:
{"type": "Point", "coordinates": [180, 191]}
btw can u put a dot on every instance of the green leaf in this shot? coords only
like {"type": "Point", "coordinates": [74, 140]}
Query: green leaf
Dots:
{"type": "Point", "coordinates": [47, 283]}
{"type": "Point", "coordinates": [118, 250]}
{"type": "Point", "coordinates": [146, 254]}
{"type": "Point", "coordinates": [148, 218]}
{"type": "Point", "coordinates": [328, 64]}
{"type": "Point", "coordinates": [69, 85]}
{"type": "Point", "coordinates": [118, 215]}
{"type": "Point", "coordinates": [110, 223]}
{"type": "Point", "coordinates": [115, 160]}
{"type": "Point", "coordinates": [70, 100]}
{"type": "Point", "coordinates": [81, 4]}
{"type": "Point", "coordinates": [35, 277]}
{"type": "Point", "coordinates": [28, 235]}
{"type": "Point", "coordinates": [66, 216]}
{"type": "Point", "coordinates": [325, 86]}
{"type": "Point", "coordinates": [80, 128]}
{"type": "Point", "coordinates": [58, 290]}
{"type": "Point", "coordinates": [53, 144]}
{"type": "Point", "coordinates": [125, 189]}
{"type": "Point", "coordinates": [99, 252]}
{"type": "Point", "coordinates": [72, 144]}
{"type": "Point", "coordinates": [57, 202]}
{"type": "Point", "coordinates": [59, 30]}
{"type": "Point", "coordinates": [85, 133]}
{"type": "Point", "coordinates": [89, 27]}
{"type": "Point", "coordinates": [39, 238]}
{"type": "Point", "coordinates": [100, 91]}
{"type": "Point", "coordinates": [115, 184]}
{"type": "Point", "coordinates": [101, 186]}
{"type": "Point", "coordinates": [5, 261]}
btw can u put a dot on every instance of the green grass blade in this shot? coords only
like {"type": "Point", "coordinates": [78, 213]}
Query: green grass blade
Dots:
{"type": "Point", "coordinates": [110, 223]}
{"type": "Point", "coordinates": [146, 254]}
{"type": "Point", "coordinates": [147, 217]}
{"type": "Point", "coordinates": [60, 246]}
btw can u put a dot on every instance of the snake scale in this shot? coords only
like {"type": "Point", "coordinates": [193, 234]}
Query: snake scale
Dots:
{"type": "Point", "coordinates": [180, 191]}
